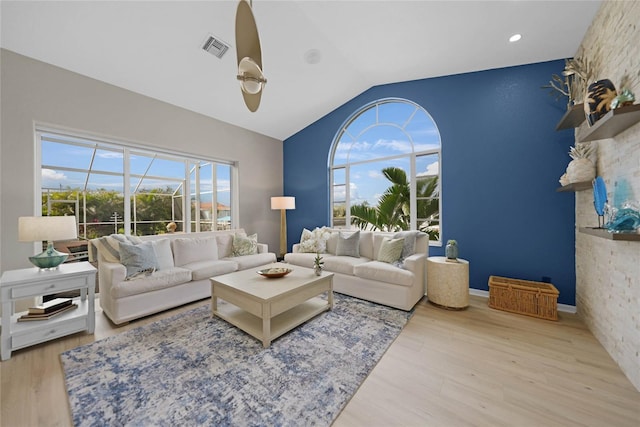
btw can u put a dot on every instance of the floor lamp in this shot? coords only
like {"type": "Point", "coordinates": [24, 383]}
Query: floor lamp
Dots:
{"type": "Point", "coordinates": [283, 203]}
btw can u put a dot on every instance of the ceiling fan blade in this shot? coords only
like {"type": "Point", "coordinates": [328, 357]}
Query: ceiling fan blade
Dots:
{"type": "Point", "coordinates": [248, 46]}
{"type": "Point", "coordinates": [247, 39]}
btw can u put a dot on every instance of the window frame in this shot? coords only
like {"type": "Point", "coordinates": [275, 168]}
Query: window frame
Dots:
{"type": "Point", "coordinates": [412, 156]}
{"type": "Point", "coordinates": [128, 149]}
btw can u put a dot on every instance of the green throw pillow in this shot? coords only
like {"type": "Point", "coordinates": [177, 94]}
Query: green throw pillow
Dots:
{"type": "Point", "coordinates": [390, 250]}
{"type": "Point", "coordinates": [245, 245]}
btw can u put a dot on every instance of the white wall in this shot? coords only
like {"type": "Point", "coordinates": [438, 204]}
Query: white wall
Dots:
{"type": "Point", "coordinates": [608, 272]}
{"type": "Point", "coordinates": [35, 92]}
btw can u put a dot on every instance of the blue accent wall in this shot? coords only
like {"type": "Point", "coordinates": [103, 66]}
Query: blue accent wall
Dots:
{"type": "Point", "coordinates": [501, 161]}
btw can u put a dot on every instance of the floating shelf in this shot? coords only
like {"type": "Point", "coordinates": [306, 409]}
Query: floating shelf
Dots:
{"type": "Point", "coordinates": [575, 186]}
{"type": "Point", "coordinates": [612, 123]}
{"type": "Point", "coordinates": [572, 118]}
{"type": "Point", "coordinates": [600, 232]}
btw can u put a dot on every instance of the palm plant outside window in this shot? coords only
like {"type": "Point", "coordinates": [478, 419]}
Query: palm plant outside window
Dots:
{"type": "Point", "coordinates": [385, 170]}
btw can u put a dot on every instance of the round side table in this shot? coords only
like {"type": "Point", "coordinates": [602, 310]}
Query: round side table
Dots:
{"type": "Point", "coordinates": [448, 282]}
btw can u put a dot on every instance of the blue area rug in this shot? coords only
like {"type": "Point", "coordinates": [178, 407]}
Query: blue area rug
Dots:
{"type": "Point", "coordinates": [191, 369]}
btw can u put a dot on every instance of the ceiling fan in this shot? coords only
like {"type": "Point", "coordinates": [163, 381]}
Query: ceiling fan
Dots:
{"type": "Point", "coordinates": [249, 56]}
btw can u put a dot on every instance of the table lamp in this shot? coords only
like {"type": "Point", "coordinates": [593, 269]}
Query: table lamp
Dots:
{"type": "Point", "coordinates": [283, 203]}
{"type": "Point", "coordinates": [49, 228]}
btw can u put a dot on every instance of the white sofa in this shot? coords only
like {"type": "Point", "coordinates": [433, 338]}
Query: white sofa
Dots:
{"type": "Point", "coordinates": [400, 284]}
{"type": "Point", "coordinates": [185, 262]}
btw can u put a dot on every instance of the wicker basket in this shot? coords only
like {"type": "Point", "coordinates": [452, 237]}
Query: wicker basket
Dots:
{"type": "Point", "coordinates": [535, 299]}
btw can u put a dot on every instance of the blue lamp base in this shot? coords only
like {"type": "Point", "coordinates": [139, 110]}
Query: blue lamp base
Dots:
{"type": "Point", "coordinates": [50, 259]}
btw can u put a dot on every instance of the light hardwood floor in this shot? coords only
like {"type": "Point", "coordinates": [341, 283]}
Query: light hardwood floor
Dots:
{"type": "Point", "coordinates": [478, 367]}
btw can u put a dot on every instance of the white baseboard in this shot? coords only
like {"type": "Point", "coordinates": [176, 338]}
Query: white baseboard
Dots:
{"type": "Point", "coordinates": [565, 308]}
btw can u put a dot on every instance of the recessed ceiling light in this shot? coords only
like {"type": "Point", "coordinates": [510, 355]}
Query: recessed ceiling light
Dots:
{"type": "Point", "coordinates": [312, 56]}
{"type": "Point", "coordinates": [515, 38]}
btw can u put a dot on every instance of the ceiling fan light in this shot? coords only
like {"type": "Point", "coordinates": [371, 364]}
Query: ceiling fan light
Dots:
{"type": "Point", "coordinates": [250, 75]}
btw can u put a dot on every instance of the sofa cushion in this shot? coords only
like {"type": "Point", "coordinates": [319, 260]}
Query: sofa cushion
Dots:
{"type": "Point", "coordinates": [148, 283]}
{"type": "Point", "coordinates": [303, 259]}
{"type": "Point", "coordinates": [245, 245]}
{"type": "Point", "coordinates": [255, 260]}
{"type": "Point", "coordinates": [164, 256]}
{"type": "Point", "coordinates": [348, 246]}
{"type": "Point", "coordinates": [343, 264]}
{"type": "Point", "coordinates": [140, 258]}
{"type": "Point", "coordinates": [205, 269]}
{"type": "Point", "coordinates": [390, 250]}
{"type": "Point", "coordinates": [225, 245]}
{"type": "Point", "coordinates": [187, 250]}
{"type": "Point", "coordinates": [384, 272]}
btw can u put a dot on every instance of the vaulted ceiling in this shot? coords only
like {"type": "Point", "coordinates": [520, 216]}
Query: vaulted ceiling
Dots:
{"type": "Point", "coordinates": [316, 54]}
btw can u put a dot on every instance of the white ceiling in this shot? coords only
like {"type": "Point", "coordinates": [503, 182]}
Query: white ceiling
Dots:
{"type": "Point", "coordinates": [154, 47]}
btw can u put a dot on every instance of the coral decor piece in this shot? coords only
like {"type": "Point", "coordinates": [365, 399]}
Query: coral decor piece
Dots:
{"type": "Point", "coordinates": [581, 168]}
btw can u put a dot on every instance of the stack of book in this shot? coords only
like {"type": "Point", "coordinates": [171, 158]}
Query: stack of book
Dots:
{"type": "Point", "coordinates": [48, 309]}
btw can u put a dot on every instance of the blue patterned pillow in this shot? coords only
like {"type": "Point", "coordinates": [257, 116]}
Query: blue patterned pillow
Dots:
{"type": "Point", "coordinates": [138, 259]}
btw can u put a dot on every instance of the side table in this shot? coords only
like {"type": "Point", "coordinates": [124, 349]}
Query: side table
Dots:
{"type": "Point", "coordinates": [33, 282]}
{"type": "Point", "coordinates": [448, 282]}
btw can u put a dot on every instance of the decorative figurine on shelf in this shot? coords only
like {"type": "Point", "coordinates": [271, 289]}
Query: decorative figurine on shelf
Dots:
{"type": "Point", "coordinates": [451, 251]}
{"type": "Point", "coordinates": [624, 220]}
{"type": "Point", "coordinates": [624, 98]}
{"type": "Point", "coordinates": [171, 227]}
{"type": "Point", "coordinates": [317, 264]}
{"type": "Point", "coordinates": [597, 102]}
{"type": "Point", "coordinates": [600, 199]}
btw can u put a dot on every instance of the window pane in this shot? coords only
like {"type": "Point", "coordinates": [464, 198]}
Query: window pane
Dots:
{"type": "Point", "coordinates": [64, 155]}
{"type": "Point", "coordinates": [223, 193]}
{"type": "Point", "coordinates": [70, 182]}
{"type": "Point", "coordinates": [395, 112]}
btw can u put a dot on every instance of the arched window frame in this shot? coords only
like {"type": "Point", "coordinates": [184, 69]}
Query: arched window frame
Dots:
{"type": "Point", "coordinates": [339, 174]}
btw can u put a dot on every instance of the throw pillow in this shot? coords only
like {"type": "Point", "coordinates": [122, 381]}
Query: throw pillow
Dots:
{"type": "Point", "coordinates": [225, 245]}
{"type": "Point", "coordinates": [186, 250]}
{"type": "Point", "coordinates": [109, 248]}
{"type": "Point", "coordinates": [409, 247]}
{"type": "Point", "coordinates": [164, 256]}
{"type": "Point", "coordinates": [245, 245]}
{"type": "Point", "coordinates": [349, 246]}
{"type": "Point", "coordinates": [314, 241]}
{"type": "Point", "coordinates": [390, 250]}
{"type": "Point", "coordinates": [138, 259]}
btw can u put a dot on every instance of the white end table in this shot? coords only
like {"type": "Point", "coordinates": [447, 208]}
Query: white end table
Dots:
{"type": "Point", "coordinates": [33, 282]}
{"type": "Point", "coordinates": [448, 282]}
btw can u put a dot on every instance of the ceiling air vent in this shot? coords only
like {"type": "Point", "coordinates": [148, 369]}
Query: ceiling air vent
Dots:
{"type": "Point", "coordinates": [215, 46]}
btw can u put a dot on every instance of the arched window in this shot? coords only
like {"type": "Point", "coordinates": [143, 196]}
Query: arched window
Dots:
{"type": "Point", "coordinates": [385, 169]}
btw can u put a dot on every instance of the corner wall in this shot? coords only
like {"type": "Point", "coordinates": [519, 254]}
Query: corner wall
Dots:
{"type": "Point", "coordinates": [501, 161]}
{"type": "Point", "coordinates": [36, 92]}
{"type": "Point", "coordinates": [608, 272]}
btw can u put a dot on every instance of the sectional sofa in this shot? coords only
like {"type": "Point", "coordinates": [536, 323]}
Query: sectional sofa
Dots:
{"type": "Point", "coordinates": [140, 276]}
{"type": "Point", "coordinates": [360, 270]}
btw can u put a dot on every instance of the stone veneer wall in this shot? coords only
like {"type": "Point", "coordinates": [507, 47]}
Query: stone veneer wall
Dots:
{"type": "Point", "coordinates": [608, 272]}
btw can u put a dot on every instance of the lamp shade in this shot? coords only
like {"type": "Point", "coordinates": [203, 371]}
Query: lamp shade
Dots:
{"type": "Point", "coordinates": [49, 228]}
{"type": "Point", "coordinates": [283, 202]}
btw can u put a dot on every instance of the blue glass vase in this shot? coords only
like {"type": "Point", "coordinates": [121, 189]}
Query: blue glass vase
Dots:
{"type": "Point", "coordinates": [451, 250]}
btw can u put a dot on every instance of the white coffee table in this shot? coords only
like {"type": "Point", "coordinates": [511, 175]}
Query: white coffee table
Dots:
{"type": "Point", "coordinates": [268, 308]}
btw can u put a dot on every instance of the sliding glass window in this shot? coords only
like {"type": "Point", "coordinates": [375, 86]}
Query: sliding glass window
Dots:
{"type": "Point", "coordinates": [112, 187]}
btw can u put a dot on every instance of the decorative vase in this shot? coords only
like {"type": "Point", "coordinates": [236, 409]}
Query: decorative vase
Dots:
{"type": "Point", "coordinates": [451, 250]}
{"type": "Point", "coordinates": [318, 271]}
{"type": "Point", "coordinates": [581, 170]}
{"type": "Point", "coordinates": [597, 102]}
